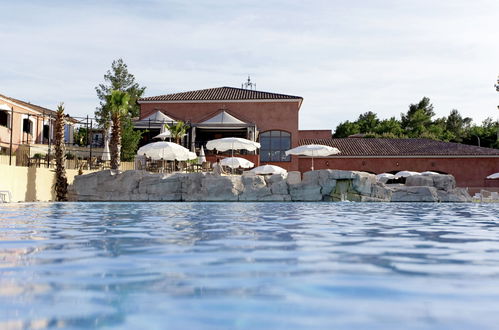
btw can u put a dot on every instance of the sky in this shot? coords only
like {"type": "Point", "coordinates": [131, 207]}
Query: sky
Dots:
{"type": "Point", "coordinates": [344, 57]}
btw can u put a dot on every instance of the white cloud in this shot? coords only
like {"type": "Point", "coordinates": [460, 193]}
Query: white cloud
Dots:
{"type": "Point", "coordinates": [343, 57]}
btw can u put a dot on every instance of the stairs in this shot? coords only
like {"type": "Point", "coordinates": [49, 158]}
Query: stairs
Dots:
{"type": "Point", "coordinates": [3, 196]}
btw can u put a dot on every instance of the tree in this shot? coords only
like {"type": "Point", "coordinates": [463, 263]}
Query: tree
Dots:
{"type": "Point", "coordinates": [485, 133]}
{"type": "Point", "coordinates": [61, 182]}
{"type": "Point", "coordinates": [118, 78]}
{"type": "Point", "coordinates": [456, 125]}
{"type": "Point", "coordinates": [367, 122]}
{"type": "Point", "coordinates": [178, 130]}
{"type": "Point", "coordinates": [130, 139]}
{"type": "Point", "coordinates": [418, 118]}
{"type": "Point", "coordinates": [346, 129]}
{"type": "Point", "coordinates": [389, 128]}
{"type": "Point", "coordinates": [118, 104]}
{"type": "Point", "coordinates": [80, 136]}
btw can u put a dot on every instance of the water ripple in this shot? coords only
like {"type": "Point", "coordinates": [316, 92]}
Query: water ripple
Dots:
{"type": "Point", "coordinates": [245, 265]}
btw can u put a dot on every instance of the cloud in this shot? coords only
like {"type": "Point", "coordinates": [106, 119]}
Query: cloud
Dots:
{"type": "Point", "coordinates": [343, 57]}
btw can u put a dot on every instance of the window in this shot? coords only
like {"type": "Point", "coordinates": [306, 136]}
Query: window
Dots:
{"type": "Point", "coordinates": [46, 132]}
{"type": "Point", "coordinates": [4, 119]}
{"type": "Point", "coordinates": [273, 145]}
{"type": "Point", "coordinates": [27, 126]}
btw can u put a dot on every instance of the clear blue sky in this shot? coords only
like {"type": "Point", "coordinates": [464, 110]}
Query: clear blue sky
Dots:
{"type": "Point", "coordinates": [344, 57]}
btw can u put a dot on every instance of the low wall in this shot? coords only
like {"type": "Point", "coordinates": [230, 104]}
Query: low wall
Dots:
{"type": "Point", "coordinates": [31, 184]}
{"type": "Point", "coordinates": [323, 185]}
{"type": "Point", "coordinates": [4, 159]}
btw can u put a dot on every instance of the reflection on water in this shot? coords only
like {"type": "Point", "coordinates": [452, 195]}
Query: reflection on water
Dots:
{"type": "Point", "coordinates": [245, 265]}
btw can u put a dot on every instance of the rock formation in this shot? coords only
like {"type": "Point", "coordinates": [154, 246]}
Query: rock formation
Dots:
{"type": "Point", "coordinates": [321, 185]}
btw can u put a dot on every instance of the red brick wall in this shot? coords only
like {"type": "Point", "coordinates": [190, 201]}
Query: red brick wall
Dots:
{"type": "Point", "coordinates": [266, 115]}
{"type": "Point", "coordinates": [469, 172]}
{"type": "Point", "coordinates": [315, 134]}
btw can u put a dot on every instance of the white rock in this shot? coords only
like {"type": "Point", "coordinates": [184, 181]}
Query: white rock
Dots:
{"type": "Point", "coordinates": [414, 194]}
{"type": "Point", "coordinates": [444, 182]}
{"type": "Point", "coordinates": [305, 192]}
{"type": "Point", "coordinates": [363, 182]}
{"type": "Point", "coordinates": [459, 195]}
{"type": "Point", "coordinates": [254, 188]}
{"type": "Point", "coordinates": [221, 188]}
{"type": "Point", "coordinates": [294, 177]}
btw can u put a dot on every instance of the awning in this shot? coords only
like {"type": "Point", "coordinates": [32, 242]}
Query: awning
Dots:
{"type": "Point", "coordinates": [223, 120]}
{"type": "Point", "coordinates": [155, 120]}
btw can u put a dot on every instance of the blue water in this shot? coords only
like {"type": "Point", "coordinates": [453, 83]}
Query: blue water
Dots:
{"type": "Point", "coordinates": [249, 266]}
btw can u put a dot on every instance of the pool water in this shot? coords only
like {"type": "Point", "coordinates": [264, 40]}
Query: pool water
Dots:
{"type": "Point", "coordinates": [249, 265]}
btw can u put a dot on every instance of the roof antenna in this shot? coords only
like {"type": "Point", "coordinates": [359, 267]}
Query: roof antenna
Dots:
{"type": "Point", "coordinates": [248, 84]}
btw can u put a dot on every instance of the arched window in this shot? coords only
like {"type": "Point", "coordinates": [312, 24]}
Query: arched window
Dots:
{"type": "Point", "coordinates": [273, 145]}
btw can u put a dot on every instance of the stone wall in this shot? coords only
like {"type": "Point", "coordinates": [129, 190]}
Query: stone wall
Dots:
{"type": "Point", "coordinates": [322, 185]}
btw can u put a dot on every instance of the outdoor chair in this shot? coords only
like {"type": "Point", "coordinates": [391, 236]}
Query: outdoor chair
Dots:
{"type": "Point", "coordinates": [94, 164]}
{"type": "Point", "coordinates": [181, 166]}
{"type": "Point", "coordinates": [206, 167]}
{"type": "Point", "coordinates": [169, 167]}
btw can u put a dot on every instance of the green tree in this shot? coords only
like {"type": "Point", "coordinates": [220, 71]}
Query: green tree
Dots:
{"type": "Point", "coordinates": [118, 78]}
{"type": "Point", "coordinates": [61, 181]}
{"type": "Point", "coordinates": [416, 124]}
{"type": "Point", "coordinates": [418, 118]}
{"type": "Point", "coordinates": [346, 129]}
{"type": "Point", "coordinates": [130, 139]}
{"type": "Point", "coordinates": [436, 130]}
{"type": "Point", "coordinates": [485, 133]}
{"type": "Point", "coordinates": [118, 104]}
{"type": "Point", "coordinates": [367, 122]}
{"type": "Point", "coordinates": [389, 127]}
{"type": "Point", "coordinates": [178, 130]}
{"type": "Point", "coordinates": [80, 136]}
{"type": "Point", "coordinates": [457, 126]}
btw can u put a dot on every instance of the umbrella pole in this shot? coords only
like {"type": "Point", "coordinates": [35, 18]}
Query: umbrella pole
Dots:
{"type": "Point", "coordinates": [232, 156]}
{"type": "Point", "coordinates": [312, 163]}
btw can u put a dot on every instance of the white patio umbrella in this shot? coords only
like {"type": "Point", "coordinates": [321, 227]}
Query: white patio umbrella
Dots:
{"type": "Point", "coordinates": [493, 176]}
{"type": "Point", "coordinates": [232, 143]}
{"type": "Point", "coordinates": [405, 174]}
{"type": "Point", "coordinates": [313, 150]}
{"type": "Point", "coordinates": [235, 162]}
{"type": "Point", "coordinates": [163, 133]}
{"type": "Point", "coordinates": [202, 157]}
{"type": "Point", "coordinates": [269, 169]}
{"type": "Point", "coordinates": [106, 154]}
{"type": "Point", "coordinates": [166, 151]}
{"type": "Point", "coordinates": [384, 176]}
{"type": "Point", "coordinates": [429, 173]}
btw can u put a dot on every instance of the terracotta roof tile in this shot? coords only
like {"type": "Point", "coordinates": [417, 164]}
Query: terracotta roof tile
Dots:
{"type": "Point", "coordinates": [400, 147]}
{"type": "Point", "coordinates": [220, 93]}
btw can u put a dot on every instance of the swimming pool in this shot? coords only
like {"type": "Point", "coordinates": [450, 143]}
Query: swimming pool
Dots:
{"type": "Point", "coordinates": [249, 265]}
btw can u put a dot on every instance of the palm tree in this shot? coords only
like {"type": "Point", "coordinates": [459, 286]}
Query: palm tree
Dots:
{"type": "Point", "coordinates": [177, 130]}
{"type": "Point", "coordinates": [61, 182]}
{"type": "Point", "coordinates": [118, 102]}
